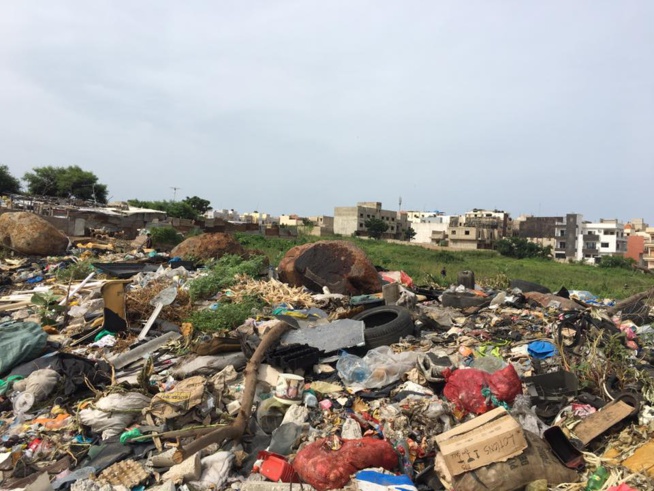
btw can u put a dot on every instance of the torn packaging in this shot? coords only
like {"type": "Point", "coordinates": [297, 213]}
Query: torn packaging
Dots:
{"type": "Point", "coordinates": [185, 396]}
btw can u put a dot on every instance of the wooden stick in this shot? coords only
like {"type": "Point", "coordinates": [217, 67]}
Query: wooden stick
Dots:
{"type": "Point", "coordinates": [630, 300]}
{"type": "Point", "coordinates": [235, 430]}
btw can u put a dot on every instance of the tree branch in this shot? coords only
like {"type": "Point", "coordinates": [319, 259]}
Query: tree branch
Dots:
{"type": "Point", "coordinates": [235, 430]}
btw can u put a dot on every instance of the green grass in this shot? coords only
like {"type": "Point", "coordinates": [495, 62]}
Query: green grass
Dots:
{"type": "Point", "coordinates": [424, 266]}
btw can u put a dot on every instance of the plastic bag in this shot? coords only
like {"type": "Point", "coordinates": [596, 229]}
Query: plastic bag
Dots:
{"type": "Point", "coordinates": [465, 388]}
{"type": "Point", "coordinates": [324, 465]}
{"type": "Point", "coordinates": [378, 368]}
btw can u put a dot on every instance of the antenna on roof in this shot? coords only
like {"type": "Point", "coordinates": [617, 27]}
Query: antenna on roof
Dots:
{"type": "Point", "coordinates": [400, 204]}
{"type": "Point", "coordinates": [174, 192]}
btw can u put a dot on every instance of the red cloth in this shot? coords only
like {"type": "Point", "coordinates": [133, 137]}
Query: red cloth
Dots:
{"type": "Point", "coordinates": [324, 468]}
{"type": "Point", "coordinates": [464, 386]}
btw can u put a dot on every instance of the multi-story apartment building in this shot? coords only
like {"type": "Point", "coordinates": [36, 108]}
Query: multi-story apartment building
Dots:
{"type": "Point", "coordinates": [350, 220]}
{"type": "Point", "coordinates": [589, 241]}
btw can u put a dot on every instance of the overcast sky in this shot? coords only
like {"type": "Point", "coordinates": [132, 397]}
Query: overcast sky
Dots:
{"type": "Point", "coordinates": [299, 106]}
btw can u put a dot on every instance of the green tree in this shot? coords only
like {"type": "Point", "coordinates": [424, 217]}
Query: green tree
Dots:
{"type": "Point", "coordinates": [521, 248]}
{"type": "Point", "coordinates": [66, 182]}
{"type": "Point", "coordinates": [174, 209]}
{"type": "Point", "coordinates": [409, 234]}
{"type": "Point", "coordinates": [8, 183]}
{"type": "Point", "coordinates": [201, 206]}
{"type": "Point", "coordinates": [376, 227]}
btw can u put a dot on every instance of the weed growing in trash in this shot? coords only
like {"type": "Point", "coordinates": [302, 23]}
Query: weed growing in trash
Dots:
{"type": "Point", "coordinates": [75, 271]}
{"type": "Point", "coordinates": [226, 316]}
{"type": "Point", "coordinates": [48, 307]}
{"type": "Point", "coordinates": [223, 274]}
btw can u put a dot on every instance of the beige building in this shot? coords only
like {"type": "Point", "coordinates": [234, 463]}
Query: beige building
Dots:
{"type": "Point", "coordinates": [350, 220]}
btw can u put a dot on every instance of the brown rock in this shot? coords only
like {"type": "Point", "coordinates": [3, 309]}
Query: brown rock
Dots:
{"type": "Point", "coordinates": [339, 265]}
{"type": "Point", "coordinates": [208, 246]}
{"type": "Point", "coordinates": [31, 235]}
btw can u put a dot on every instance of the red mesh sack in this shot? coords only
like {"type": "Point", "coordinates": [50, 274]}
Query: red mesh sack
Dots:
{"type": "Point", "coordinates": [324, 468]}
{"type": "Point", "coordinates": [464, 388]}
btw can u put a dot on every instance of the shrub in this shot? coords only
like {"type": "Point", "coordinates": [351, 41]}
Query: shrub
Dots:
{"type": "Point", "coordinates": [616, 262]}
{"type": "Point", "coordinates": [521, 248]}
{"type": "Point", "coordinates": [162, 236]}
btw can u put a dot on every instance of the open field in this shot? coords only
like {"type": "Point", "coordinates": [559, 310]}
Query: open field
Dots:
{"type": "Point", "coordinates": [424, 266]}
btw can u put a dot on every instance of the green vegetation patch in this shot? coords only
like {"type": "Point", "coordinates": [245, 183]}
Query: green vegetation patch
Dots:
{"type": "Point", "coordinates": [222, 274]}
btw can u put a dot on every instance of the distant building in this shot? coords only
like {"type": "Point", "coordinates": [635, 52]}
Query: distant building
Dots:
{"type": "Point", "coordinates": [230, 215]}
{"type": "Point", "coordinates": [349, 220]}
{"type": "Point", "coordinates": [589, 241]}
{"type": "Point", "coordinates": [260, 218]}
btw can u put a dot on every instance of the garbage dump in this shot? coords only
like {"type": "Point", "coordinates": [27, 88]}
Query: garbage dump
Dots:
{"type": "Point", "coordinates": [142, 370]}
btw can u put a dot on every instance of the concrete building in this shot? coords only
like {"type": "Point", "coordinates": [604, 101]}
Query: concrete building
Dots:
{"type": "Point", "coordinates": [321, 226]}
{"type": "Point", "coordinates": [461, 237]}
{"type": "Point", "coordinates": [589, 241]}
{"type": "Point", "coordinates": [224, 214]}
{"type": "Point", "coordinates": [289, 220]}
{"type": "Point", "coordinates": [648, 253]}
{"type": "Point", "coordinates": [260, 218]}
{"type": "Point", "coordinates": [350, 220]}
{"type": "Point", "coordinates": [429, 229]}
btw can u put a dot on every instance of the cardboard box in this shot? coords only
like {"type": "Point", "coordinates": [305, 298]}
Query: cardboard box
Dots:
{"type": "Point", "coordinates": [491, 437]}
{"type": "Point", "coordinates": [597, 423]}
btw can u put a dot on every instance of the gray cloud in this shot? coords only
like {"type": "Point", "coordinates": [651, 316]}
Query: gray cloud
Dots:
{"type": "Point", "coordinates": [298, 106]}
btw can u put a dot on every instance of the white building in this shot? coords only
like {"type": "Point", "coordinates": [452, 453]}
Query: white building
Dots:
{"type": "Point", "coordinates": [589, 241]}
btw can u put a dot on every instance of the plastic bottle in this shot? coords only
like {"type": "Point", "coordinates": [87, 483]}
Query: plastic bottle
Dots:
{"type": "Point", "coordinates": [597, 479]}
{"type": "Point", "coordinates": [352, 369]}
{"type": "Point", "coordinates": [309, 399]}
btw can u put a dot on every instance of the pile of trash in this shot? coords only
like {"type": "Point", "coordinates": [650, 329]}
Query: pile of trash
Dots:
{"type": "Point", "coordinates": [152, 372]}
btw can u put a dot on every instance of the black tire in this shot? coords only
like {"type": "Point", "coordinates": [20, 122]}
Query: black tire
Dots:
{"type": "Point", "coordinates": [462, 300]}
{"type": "Point", "coordinates": [528, 286]}
{"type": "Point", "coordinates": [385, 325]}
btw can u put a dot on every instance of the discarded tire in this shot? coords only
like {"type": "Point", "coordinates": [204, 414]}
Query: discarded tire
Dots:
{"type": "Point", "coordinates": [528, 286]}
{"type": "Point", "coordinates": [462, 300]}
{"type": "Point", "coordinates": [385, 325]}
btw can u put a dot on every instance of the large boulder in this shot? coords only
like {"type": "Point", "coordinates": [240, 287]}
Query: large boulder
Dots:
{"type": "Point", "coordinates": [208, 246]}
{"type": "Point", "coordinates": [339, 265]}
{"type": "Point", "coordinates": [29, 234]}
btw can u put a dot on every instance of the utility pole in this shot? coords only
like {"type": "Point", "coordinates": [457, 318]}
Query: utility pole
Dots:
{"type": "Point", "coordinates": [399, 208]}
{"type": "Point", "coordinates": [174, 192]}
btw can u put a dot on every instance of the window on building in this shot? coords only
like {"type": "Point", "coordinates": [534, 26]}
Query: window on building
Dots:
{"type": "Point", "coordinates": [605, 245]}
{"type": "Point", "coordinates": [392, 229]}
{"type": "Point", "coordinates": [367, 216]}
{"type": "Point", "coordinates": [561, 233]}
{"type": "Point", "coordinates": [561, 245]}
{"type": "Point", "coordinates": [392, 219]}
{"type": "Point", "coordinates": [360, 215]}
{"type": "Point", "coordinates": [453, 232]}
{"type": "Point", "coordinates": [361, 225]}
{"type": "Point", "coordinates": [467, 232]}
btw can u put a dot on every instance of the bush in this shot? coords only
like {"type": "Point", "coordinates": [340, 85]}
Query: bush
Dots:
{"type": "Point", "coordinates": [74, 271]}
{"type": "Point", "coordinates": [616, 262]}
{"type": "Point", "coordinates": [165, 236]}
{"type": "Point", "coordinates": [521, 248]}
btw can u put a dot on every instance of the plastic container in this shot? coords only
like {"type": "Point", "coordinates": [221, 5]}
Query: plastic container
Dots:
{"type": "Point", "coordinates": [275, 468]}
{"type": "Point", "coordinates": [467, 279]}
{"type": "Point", "coordinates": [352, 369]}
{"type": "Point", "coordinates": [597, 479]}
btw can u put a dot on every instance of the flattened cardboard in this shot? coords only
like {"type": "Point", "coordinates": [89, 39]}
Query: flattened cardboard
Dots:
{"type": "Point", "coordinates": [491, 437]}
{"type": "Point", "coordinates": [597, 423]}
